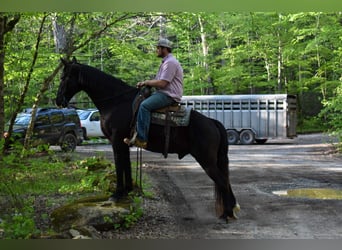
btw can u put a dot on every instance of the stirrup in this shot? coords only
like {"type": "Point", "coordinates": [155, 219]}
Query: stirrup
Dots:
{"type": "Point", "coordinates": [131, 141]}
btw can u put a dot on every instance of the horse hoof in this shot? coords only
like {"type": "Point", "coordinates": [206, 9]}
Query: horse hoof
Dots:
{"type": "Point", "coordinates": [227, 218]}
{"type": "Point", "coordinates": [230, 218]}
{"type": "Point", "coordinates": [236, 209]}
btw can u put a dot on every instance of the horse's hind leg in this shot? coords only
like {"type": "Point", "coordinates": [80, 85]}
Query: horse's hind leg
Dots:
{"type": "Point", "coordinates": [225, 199]}
{"type": "Point", "coordinates": [209, 146]}
{"type": "Point", "coordinates": [228, 198]}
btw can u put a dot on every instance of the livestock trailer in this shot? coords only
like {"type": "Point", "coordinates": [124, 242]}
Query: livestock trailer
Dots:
{"type": "Point", "coordinates": [249, 118]}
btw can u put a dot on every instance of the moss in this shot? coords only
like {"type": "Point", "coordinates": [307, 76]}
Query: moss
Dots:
{"type": "Point", "coordinates": [91, 199]}
{"type": "Point", "coordinates": [95, 211]}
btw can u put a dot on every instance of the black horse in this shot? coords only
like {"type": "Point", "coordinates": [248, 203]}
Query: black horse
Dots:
{"type": "Point", "coordinates": [204, 138]}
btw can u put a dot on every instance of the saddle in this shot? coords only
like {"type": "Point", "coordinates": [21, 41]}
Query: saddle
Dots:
{"type": "Point", "coordinates": [174, 115]}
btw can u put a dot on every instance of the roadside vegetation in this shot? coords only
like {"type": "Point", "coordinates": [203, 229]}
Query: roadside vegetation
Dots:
{"type": "Point", "coordinates": [31, 187]}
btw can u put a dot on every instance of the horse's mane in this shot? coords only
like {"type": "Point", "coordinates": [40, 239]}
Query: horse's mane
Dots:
{"type": "Point", "coordinates": [103, 88]}
{"type": "Point", "coordinates": [92, 75]}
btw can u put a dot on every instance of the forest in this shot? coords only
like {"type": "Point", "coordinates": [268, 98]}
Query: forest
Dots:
{"type": "Point", "coordinates": [221, 53]}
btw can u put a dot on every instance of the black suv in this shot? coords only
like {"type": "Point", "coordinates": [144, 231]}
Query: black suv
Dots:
{"type": "Point", "coordinates": [52, 126]}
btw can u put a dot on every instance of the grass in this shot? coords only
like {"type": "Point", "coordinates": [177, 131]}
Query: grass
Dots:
{"type": "Point", "coordinates": [58, 177]}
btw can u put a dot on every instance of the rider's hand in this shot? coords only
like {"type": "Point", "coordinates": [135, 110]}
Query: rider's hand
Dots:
{"type": "Point", "coordinates": [141, 84]}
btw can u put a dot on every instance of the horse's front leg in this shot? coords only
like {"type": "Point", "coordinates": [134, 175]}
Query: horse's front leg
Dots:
{"type": "Point", "coordinates": [123, 171]}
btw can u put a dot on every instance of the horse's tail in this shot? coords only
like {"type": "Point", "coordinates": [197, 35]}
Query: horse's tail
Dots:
{"type": "Point", "coordinates": [224, 194]}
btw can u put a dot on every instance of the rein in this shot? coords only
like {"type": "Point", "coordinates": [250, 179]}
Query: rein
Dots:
{"type": "Point", "coordinates": [138, 171]}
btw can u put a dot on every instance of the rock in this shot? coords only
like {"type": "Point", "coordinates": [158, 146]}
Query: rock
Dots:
{"type": "Point", "coordinates": [76, 235]}
{"type": "Point", "coordinates": [93, 212]}
{"type": "Point", "coordinates": [81, 237]}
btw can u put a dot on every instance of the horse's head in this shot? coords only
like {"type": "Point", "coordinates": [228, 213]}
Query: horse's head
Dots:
{"type": "Point", "coordinates": [69, 83]}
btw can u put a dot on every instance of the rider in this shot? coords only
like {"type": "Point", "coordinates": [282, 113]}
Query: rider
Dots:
{"type": "Point", "coordinates": [169, 89]}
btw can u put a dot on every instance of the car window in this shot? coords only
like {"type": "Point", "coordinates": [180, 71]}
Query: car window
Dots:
{"type": "Point", "coordinates": [43, 120]}
{"type": "Point", "coordinates": [22, 119]}
{"type": "Point", "coordinates": [56, 117]}
{"type": "Point", "coordinates": [83, 114]}
{"type": "Point", "coordinates": [72, 118]}
{"type": "Point", "coordinates": [95, 116]}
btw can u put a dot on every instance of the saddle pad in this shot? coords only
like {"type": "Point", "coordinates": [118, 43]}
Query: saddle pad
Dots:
{"type": "Point", "coordinates": [180, 118]}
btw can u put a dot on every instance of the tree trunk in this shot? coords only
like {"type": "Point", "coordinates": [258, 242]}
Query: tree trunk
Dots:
{"type": "Point", "coordinates": [210, 88]}
{"type": "Point", "coordinates": [280, 64]}
{"type": "Point", "coordinates": [59, 35]}
{"type": "Point", "coordinates": [2, 83]}
{"type": "Point", "coordinates": [5, 26]}
{"type": "Point", "coordinates": [29, 131]}
{"type": "Point", "coordinates": [280, 59]}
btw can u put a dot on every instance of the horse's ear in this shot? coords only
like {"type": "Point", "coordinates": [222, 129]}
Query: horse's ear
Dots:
{"type": "Point", "coordinates": [74, 60]}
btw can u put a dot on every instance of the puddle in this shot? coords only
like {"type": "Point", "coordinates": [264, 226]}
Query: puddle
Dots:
{"type": "Point", "coordinates": [312, 193]}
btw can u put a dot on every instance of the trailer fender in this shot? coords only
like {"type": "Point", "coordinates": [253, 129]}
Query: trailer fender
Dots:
{"type": "Point", "coordinates": [261, 141]}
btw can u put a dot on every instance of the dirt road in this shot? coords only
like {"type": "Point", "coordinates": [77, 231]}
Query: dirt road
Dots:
{"type": "Point", "coordinates": [184, 206]}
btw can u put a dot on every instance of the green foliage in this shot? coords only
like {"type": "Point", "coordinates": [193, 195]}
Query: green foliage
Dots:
{"type": "Point", "coordinates": [332, 112]}
{"type": "Point", "coordinates": [21, 179]}
{"type": "Point", "coordinates": [94, 174]}
{"type": "Point", "coordinates": [19, 225]}
{"type": "Point", "coordinates": [136, 211]}
{"type": "Point", "coordinates": [54, 174]}
{"type": "Point", "coordinates": [311, 125]}
{"type": "Point", "coordinates": [247, 52]}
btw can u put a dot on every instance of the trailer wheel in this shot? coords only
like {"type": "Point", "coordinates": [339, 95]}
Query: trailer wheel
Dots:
{"type": "Point", "coordinates": [247, 137]}
{"type": "Point", "coordinates": [233, 137]}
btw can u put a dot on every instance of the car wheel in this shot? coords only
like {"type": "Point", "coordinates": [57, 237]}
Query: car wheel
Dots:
{"type": "Point", "coordinates": [69, 143]}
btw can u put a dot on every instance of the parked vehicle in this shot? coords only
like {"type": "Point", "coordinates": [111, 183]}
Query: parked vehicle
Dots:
{"type": "Point", "coordinates": [90, 123]}
{"type": "Point", "coordinates": [52, 126]}
{"type": "Point", "coordinates": [250, 118]}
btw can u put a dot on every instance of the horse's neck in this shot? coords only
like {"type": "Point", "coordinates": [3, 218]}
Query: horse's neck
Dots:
{"type": "Point", "coordinates": [105, 90]}
{"type": "Point", "coordinates": [109, 97]}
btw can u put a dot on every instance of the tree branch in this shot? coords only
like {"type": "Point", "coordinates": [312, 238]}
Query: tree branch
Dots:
{"type": "Point", "coordinates": [99, 32]}
{"type": "Point", "coordinates": [28, 79]}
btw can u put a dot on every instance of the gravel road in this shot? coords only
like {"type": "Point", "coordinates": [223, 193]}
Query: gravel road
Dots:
{"type": "Point", "coordinates": [183, 207]}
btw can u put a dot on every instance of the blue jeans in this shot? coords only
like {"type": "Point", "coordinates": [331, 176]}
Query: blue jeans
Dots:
{"type": "Point", "coordinates": [156, 101]}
